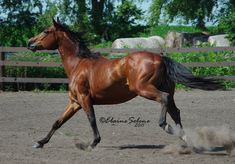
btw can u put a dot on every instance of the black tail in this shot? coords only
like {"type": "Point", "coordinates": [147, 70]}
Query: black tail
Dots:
{"type": "Point", "coordinates": [180, 74]}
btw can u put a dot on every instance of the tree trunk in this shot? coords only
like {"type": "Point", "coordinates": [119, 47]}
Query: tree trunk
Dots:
{"type": "Point", "coordinates": [81, 13]}
{"type": "Point", "coordinates": [97, 15]}
{"type": "Point", "coordinates": [201, 24]}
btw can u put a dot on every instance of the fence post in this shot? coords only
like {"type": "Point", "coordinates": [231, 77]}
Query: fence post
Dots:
{"type": "Point", "coordinates": [2, 58]}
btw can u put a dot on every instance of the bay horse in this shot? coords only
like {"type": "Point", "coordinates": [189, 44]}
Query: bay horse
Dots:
{"type": "Point", "coordinates": [95, 80]}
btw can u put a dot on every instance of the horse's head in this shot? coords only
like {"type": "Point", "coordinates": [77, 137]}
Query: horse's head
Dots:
{"type": "Point", "coordinates": [46, 40]}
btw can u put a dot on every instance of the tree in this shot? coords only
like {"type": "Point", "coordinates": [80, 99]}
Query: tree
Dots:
{"type": "Point", "coordinates": [45, 19]}
{"type": "Point", "coordinates": [21, 17]}
{"type": "Point", "coordinates": [21, 12]}
{"type": "Point", "coordinates": [102, 17]}
{"type": "Point", "coordinates": [97, 13]}
{"type": "Point", "coordinates": [124, 21]}
{"type": "Point", "coordinates": [196, 11]}
{"type": "Point", "coordinates": [155, 10]}
{"type": "Point", "coordinates": [227, 24]}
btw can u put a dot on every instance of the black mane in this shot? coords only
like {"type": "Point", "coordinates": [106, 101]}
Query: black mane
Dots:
{"type": "Point", "coordinates": [82, 50]}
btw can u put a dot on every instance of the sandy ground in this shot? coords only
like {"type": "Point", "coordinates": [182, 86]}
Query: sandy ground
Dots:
{"type": "Point", "coordinates": [26, 117]}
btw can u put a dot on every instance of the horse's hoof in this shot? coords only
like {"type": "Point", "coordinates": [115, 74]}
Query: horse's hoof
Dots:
{"type": "Point", "coordinates": [38, 145]}
{"type": "Point", "coordinates": [169, 129]}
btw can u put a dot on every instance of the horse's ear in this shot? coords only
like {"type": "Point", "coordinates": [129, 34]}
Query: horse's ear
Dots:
{"type": "Point", "coordinates": [57, 24]}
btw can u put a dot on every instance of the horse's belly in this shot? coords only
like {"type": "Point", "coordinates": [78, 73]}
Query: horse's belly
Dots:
{"type": "Point", "coordinates": [113, 95]}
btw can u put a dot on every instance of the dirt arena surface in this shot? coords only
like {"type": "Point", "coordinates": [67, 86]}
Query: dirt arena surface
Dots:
{"type": "Point", "coordinates": [26, 117]}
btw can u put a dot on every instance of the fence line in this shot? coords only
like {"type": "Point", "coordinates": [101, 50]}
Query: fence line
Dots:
{"type": "Point", "coordinates": [4, 62]}
{"type": "Point", "coordinates": [33, 80]}
{"type": "Point", "coordinates": [55, 64]}
{"type": "Point", "coordinates": [30, 64]}
{"type": "Point", "coordinates": [128, 50]}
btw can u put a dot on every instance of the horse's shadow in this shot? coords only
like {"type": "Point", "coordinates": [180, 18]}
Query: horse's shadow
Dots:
{"type": "Point", "coordinates": [215, 151]}
{"type": "Point", "coordinates": [84, 146]}
{"type": "Point", "coordinates": [134, 146]}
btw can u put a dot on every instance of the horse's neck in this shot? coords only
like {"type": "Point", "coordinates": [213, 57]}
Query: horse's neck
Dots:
{"type": "Point", "coordinates": [69, 58]}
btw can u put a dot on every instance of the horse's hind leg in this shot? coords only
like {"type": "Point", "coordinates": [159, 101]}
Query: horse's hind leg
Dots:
{"type": "Point", "coordinates": [71, 109]}
{"type": "Point", "coordinates": [149, 91]}
{"type": "Point", "coordinates": [174, 112]}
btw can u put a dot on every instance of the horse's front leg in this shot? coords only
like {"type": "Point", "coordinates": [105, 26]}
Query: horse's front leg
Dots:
{"type": "Point", "coordinates": [88, 108]}
{"type": "Point", "coordinates": [70, 110]}
{"type": "Point", "coordinates": [174, 112]}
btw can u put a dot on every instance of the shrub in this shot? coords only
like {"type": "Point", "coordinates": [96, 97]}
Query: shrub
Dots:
{"type": "Point", "coordinates": [227, 24]}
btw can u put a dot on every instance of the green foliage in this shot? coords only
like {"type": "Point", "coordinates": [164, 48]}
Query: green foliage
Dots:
{"type": "Point", "coordinates": [45, 19]}
{"type": "Point", "coordinates": [197, 12]}
{"type": "Point", "coordinates": [155, 11]}
{"type": "Point", "coordinates": [124, 21]}
{"type": "Point", "coordinates": [104, 20]}
{"type": "Point", "coordinates": [57, 72]}
{"type": "Point", "coordinates": [227, 24]}
{"type": "Point", "coordinates": [199, 9]}
{"type": "Point", "coordinates": [209, 57]}
{"type": "Point", "coordinates": [19, 24]}
{"type": "Point", "coordinates": [39, 72]}
{"type": "Point", "coordinates": [100, 20]}
{"type": "Point", "coordinates": [50, 72]}
{"type": "Point", "coordinates": [162, 30]}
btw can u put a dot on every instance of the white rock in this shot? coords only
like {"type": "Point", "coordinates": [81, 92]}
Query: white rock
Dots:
{"type": "Point", "coordinates": [141, 42]}
{"type": "Point", "coordinates": [219, 40]}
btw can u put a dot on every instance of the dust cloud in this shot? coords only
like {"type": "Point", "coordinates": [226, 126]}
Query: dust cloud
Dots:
{"type": "Point", "coordinates": [201, 139]}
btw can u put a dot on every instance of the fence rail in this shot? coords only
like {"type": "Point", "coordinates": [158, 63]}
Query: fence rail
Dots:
{"type": "Point", "coordinates": [4, 50]}
{"type": "Point", "coordinates": [33, 80]}
{"type": "Point", "coordinates": [128, 50]}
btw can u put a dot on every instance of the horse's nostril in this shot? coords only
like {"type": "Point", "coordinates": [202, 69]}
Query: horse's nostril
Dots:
{"type": "Point", "coordinates": [30, 42]}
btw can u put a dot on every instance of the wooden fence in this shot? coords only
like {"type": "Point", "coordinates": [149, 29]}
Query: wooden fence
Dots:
{"type": "Point", "coordinates": [4, 50]}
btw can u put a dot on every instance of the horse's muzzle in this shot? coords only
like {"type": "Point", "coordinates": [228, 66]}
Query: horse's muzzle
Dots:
{"type": "Point", "coordinates": [32, 45]}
